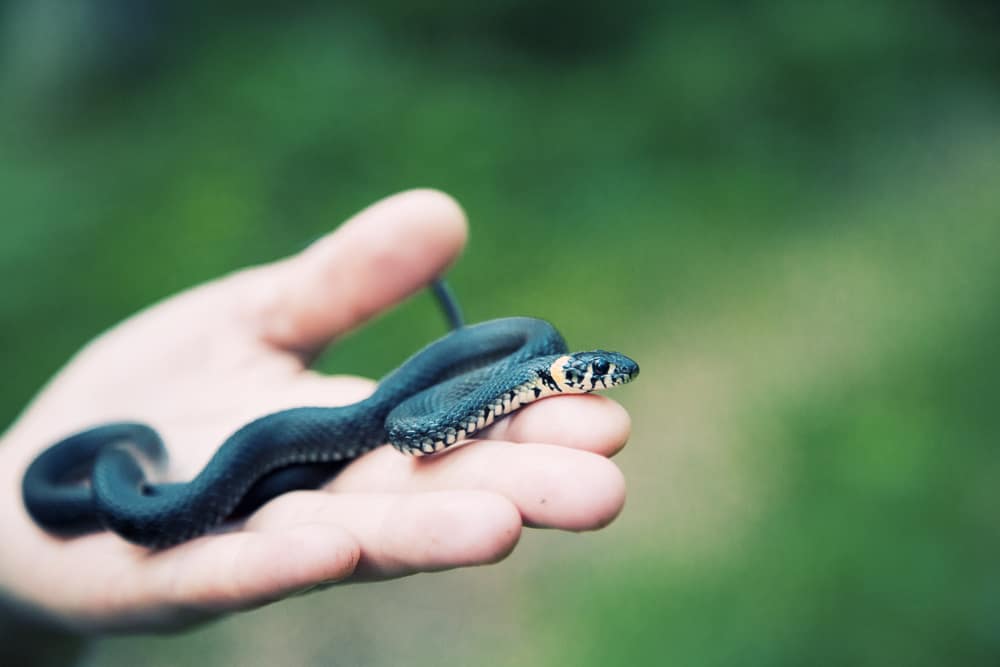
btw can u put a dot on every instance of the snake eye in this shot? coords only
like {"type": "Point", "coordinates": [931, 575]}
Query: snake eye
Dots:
{"type": "Point", "coordinates": [601, 366]}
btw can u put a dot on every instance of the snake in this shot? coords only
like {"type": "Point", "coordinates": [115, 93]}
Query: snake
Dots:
{"type": "Point", "coordinates": [100, 478]}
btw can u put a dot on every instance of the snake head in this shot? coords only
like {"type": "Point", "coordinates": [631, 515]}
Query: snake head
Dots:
{"type": "Point", "coordinates": [598, 369]}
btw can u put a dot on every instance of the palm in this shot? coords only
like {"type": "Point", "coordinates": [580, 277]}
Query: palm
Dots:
{"type": "Point", "coordinates": [198, 366]}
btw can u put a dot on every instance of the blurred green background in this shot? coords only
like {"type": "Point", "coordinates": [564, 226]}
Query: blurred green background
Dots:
{"type": "Point", "coordinates": [789, 213]}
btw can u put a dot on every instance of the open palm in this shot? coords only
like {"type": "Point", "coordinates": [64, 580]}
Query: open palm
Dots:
{"type": "Point", "coordinates": [201, 364]}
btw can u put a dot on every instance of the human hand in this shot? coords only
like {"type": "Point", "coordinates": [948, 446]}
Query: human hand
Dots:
{"type": "Point", "coordinates": [199, 365]}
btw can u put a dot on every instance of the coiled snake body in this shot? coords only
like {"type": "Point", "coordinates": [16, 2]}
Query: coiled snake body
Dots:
{"type": "Point", "coordinates": [439, 397]}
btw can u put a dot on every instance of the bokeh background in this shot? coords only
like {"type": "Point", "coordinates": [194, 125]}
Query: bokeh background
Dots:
{"type": "Point", "coordinates": [789, 213]}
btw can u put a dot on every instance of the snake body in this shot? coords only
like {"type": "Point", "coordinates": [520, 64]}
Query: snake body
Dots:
{"type": "Point", "coordinates": [439, 397]}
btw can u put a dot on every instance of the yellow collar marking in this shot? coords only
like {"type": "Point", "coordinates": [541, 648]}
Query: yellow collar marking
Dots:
{"type": "Point", "coordinates": [556, 371]}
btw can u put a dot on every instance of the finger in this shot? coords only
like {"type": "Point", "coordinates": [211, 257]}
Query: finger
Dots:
{"type": "Point", "coordinates": [551, 486]}
{"type": "Point", "coordinates": [372, 261]}
{"type": "Point", "coordinates": [218, 573]}
{"type": "Point", "coordinates": [589, 422]}
{"type": "Point", "coordinates": [400, 534]}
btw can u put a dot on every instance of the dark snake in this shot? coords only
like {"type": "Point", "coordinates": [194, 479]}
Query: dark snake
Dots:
{"type": "Point", "coordinates": [439, 397]}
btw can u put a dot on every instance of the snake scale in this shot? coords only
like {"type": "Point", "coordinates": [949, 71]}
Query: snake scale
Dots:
{"type": "Point", "coordinates": [439, 397]}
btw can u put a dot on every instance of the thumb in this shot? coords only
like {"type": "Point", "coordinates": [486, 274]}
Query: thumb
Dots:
{"type": "Point", "coordinates": [377, 258]}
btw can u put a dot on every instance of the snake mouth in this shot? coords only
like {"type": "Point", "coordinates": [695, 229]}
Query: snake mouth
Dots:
{"type": "Point", "coordinates": [625, 372]}
{"type": "Point", "coordinates": [594, 371]}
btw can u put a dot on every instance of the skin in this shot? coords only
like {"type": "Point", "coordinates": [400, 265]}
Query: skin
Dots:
{"type": "Point", "coordinates": [202, 363]}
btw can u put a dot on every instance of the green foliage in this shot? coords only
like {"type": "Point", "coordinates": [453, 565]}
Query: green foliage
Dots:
{"type": "Point", "coordinates": [787, 213]}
